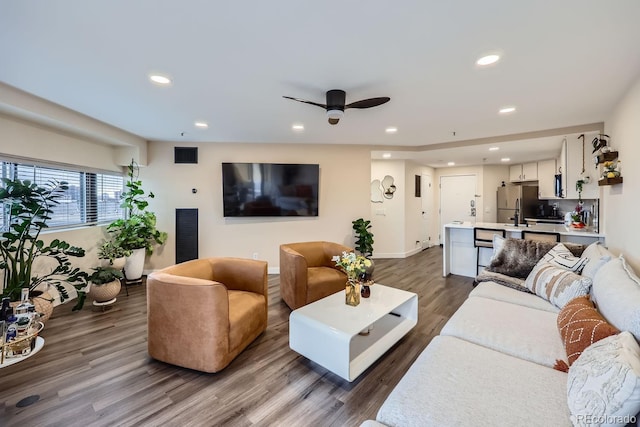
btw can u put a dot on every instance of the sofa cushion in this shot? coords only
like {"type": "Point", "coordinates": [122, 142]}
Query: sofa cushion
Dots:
{"type": "Point", "coordinates": [603, 386]}
{"type": "Point", "coordinates": [456, 383]}
{"type": "Point", "coordinates": [560, 256]}
{"type": "Point", "coordinates": [499, 292]}
{"type": "Point", "coordinates": [597, 256]}
{"type": "Point", "coordinates": [616, 293]}
{"type": "Point", "coordinates": [581, 325]}
{"type": "Point", "coordinates": [557, 285]}
{"type": "Point", "coordinates": [522, 332]}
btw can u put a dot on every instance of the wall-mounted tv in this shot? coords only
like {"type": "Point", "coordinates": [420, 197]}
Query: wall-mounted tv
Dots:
{"type": "Point", "coordinates": [270, 189]}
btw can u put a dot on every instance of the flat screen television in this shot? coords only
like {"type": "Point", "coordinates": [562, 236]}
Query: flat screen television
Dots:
{"type": "Point", "coordinates": [270, 189]}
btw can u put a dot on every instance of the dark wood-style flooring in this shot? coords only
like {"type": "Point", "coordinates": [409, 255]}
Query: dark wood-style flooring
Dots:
{"type": "Point", "coordinates": [94, 369]}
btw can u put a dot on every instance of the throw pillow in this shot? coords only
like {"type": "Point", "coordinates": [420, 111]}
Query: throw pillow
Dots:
{"type": "Point", "coordinates": [498, 243]}
{"type": "Point", "coordinates": [560, 256]}
{"type": "Point", "coordinates": [597, 256]}
{"type": "Point", "coordinates": [556, 285]}
{"type": "Point", "coordinates": [616, 293]}
{"type": "Point", "coordinates": [603, 385]}
{"type": "Point", "coordinates": [580, 325]}
{"type": "Point", "coordinates": [518, 257]}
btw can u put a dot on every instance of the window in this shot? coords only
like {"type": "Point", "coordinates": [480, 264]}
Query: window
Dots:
{"type": "Point", "coordinates": [91, 198]}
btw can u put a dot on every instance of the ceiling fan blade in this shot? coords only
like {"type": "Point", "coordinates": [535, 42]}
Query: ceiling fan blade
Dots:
{"type": "Point", "coordinates": [368, 103]}
{"type": "Point", "coordinates": [306, 102]}
{"type": "Point", "coordinates": [333, 121]}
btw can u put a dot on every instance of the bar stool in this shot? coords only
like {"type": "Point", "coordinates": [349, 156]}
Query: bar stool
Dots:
{"type": "Point", "coordinates": [541, 236]}
{"type": "Point", "coordinates": [483, 238]}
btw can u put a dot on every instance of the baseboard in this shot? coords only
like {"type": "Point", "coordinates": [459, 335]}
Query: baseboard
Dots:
{"type": "Point", "coordinates": [398, 255]}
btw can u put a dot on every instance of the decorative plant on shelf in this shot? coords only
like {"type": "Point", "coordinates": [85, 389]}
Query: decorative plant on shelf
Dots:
{"type": "Point", "coordinates": [364, 238]}
{"type": "Point", "coordinates": [138, 230]}
{"type": "Point", "coordinates": [28, 207]}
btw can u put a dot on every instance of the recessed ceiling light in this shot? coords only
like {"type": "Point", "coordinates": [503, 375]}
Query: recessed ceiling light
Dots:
{"type": "Point", "coordinates": [488, 60]}
{"type": "Point", "coordinates": [386, 156]}
{"type": "Point", "coordinates": [391, 130]}
{"type": "Point", "coordinates": [494, 148]}
{"type": "Point", "coordinates": [201, 125]}
{"type": "Point", "coordinates": [505, 159]}
{"type": "Point", "coordinates": [161, 80]}
{"type": "Point", "coordinates": [451, 164]}
{"type": "Point", "coordinates": [507, 110]}
{"type": "Point", "coordinates": [297, 127]}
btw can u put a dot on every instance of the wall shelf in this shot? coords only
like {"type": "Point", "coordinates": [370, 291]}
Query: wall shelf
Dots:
{"type": "Point", "coordinates": [607, 157]}
{"type": "Point", "coordinates": [610, 181]}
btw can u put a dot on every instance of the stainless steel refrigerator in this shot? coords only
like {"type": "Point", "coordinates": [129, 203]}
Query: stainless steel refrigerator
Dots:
{"type": "Point", "coordinates": [527, 195]}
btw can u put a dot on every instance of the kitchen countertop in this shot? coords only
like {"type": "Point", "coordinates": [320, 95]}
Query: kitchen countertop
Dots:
{"type": "Point", "coordinates": [550, 228]}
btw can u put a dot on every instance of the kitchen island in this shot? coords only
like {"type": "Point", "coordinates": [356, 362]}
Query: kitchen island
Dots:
{"type": "Point", "coordinates": [459, 255]}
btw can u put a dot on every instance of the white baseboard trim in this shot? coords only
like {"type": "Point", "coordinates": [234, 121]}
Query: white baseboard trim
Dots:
{"type": "Point", "coordinates": [397, 255]}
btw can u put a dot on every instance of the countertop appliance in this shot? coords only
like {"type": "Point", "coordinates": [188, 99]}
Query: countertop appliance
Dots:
{"type": "Point", "coordinates": [507, 202]}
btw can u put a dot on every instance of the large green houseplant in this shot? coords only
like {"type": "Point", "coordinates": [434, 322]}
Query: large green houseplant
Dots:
{"type": "Point", "coordinates": [27, 208]}
{"type": "Point", "coordinates": [138, 230]}
{"type": "Point", "coordinates": [364, 238]}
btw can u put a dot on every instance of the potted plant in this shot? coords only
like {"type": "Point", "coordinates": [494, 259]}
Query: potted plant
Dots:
{"type": "Point", "coordinates": [364, 245]}
{"type": "Point", "coordinates": [105, 284]}
{"type": "Point", "coordinates": [364, 238]}
{"type": "Point", "coordinates": [28, 208]}
{"type": "Point", "coordinates": [114, 254]}
{"type": "Point", "coordinates": [137, 233]}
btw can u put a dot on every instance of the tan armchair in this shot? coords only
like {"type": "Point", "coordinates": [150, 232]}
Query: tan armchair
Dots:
{"type": "Point", "coordinates": [307, 272]}
{"type": "Point", "coordinates": [201, 314]}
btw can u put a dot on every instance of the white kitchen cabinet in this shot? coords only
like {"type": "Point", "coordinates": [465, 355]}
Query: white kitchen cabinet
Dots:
{"type": "Point", "coordinates": [515, 173]}
{"type": "Point", "coordinates": [574, 165]}
{"type": "Point", "coordinates": [546, 179]}
{"type": "Point", "coordinates": [530, 171]}
{"type": "Point", "coordinates": [523, 172]}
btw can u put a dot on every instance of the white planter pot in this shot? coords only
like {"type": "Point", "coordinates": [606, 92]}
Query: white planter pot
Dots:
{"type": "Point", "coordinates": [118, 263]}
{"type": "Point", "coordinates": [134, 265]}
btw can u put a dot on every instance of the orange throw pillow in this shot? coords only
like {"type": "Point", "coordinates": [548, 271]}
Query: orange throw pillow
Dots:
{"type": "Point", "coordinates": [580, 325]}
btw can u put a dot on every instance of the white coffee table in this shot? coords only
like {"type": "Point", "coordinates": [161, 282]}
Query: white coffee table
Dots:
{"type": "Point", "coordinates": [327, 331]}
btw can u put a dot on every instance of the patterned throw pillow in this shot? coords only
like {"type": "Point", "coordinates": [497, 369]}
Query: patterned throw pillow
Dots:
{"type": "Point", "coordinates": [580, 325]}
{"type": "Point", "coordinates": [562, 257]}
{"type": "Point", "coordinates": [556, 285]}
{"type": "Point", "coordinates": [603, 385]}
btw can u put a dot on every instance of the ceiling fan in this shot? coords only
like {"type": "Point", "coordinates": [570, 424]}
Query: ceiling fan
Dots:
{"type": "Point", "coordinates": [335, 105]}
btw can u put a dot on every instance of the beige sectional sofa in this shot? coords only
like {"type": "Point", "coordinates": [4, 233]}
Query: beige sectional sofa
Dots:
{"type": "Point", "coordinates": [493, 362]}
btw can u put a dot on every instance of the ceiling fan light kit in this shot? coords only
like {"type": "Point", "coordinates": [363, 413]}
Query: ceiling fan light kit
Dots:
{"type": "Point", "coordinates": [335, 106]}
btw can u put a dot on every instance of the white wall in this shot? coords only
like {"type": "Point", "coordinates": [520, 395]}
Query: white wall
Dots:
{"type": "Point", "coordinates": [621, 203]}
{"type": "Point", "coordinates": [414, 223]}
{"type": "Point", "coordinates": [21, 139]}
{"type": "Point", "coordinates": [493, 177]}
{"type": "Point", "coordinates": [388, 217]}
{"type": "Point", "coordinates": [344, 197]}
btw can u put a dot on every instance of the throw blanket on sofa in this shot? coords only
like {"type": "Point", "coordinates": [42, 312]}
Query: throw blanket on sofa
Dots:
{"type": "Point", "coordinates": [502, 279]}
{"type": "Point", "coordinates": [516, 260]}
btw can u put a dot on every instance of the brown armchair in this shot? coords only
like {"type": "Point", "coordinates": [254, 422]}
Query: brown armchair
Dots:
{"type": "Point", "coordinates": [201, 314]}
{"type": "Point", "coordinates": [307, 272]}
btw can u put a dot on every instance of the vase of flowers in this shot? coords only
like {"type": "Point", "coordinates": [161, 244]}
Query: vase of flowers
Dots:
{"type": "Point", "coordinates": [354, 266]}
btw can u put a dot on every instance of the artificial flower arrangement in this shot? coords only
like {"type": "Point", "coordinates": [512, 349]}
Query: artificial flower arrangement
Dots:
{"type": "Point", "coordinates": [352, 264]}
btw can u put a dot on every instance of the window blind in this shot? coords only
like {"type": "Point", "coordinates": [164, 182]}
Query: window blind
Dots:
{"type": "Point", "coordinates": [91, 197]}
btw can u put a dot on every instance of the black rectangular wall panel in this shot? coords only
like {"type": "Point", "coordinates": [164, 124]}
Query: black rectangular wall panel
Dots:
{"type": "Point", "coordinates": [186, 235]}
{"type": "Point", "coordinates": [185, 154]}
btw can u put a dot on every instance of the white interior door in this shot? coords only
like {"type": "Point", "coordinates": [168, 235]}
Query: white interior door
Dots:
{"type": "Point", "coordinates": [457, 200]}
{"type": "Point", "coordinates": [428, 218]}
